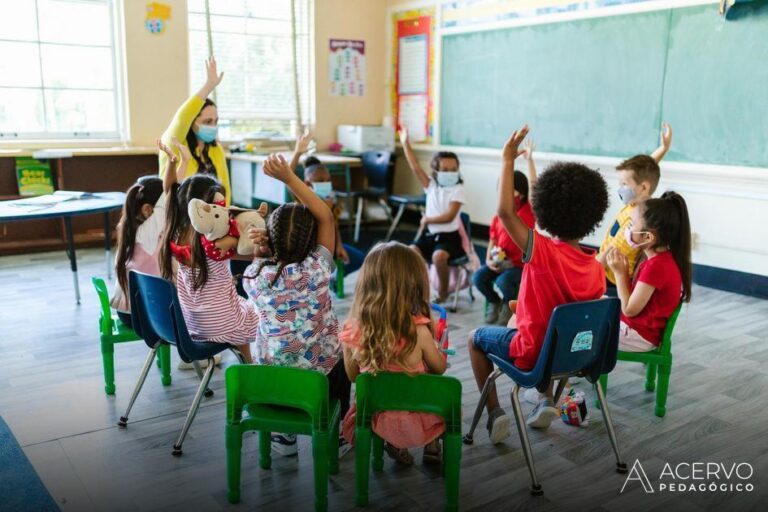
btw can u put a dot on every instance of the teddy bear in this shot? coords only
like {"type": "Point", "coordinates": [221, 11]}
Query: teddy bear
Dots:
{"type": "Point", "coordinates": [214, 221]}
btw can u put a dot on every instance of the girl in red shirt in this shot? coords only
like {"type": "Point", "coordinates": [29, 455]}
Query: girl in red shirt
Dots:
{"type": "Point", "coordinates": [661, 229]}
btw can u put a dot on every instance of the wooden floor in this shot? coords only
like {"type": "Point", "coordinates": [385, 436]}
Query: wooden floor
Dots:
{"type": "Point", "coordinates": [51, 395]}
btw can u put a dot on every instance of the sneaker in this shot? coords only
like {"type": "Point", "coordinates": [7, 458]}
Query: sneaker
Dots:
{"type": "Point", "coordinates": [504, 315]}
{"type": "Point", "coordinates": [203, 364]}
{"type": "Point", "coordinates": [498, 425]}
{"type": "Point", "coordinates": [285, 444]}
{"type": "Point", "coordinates": [492, 313]}
{"type": "Point", "coordinates": [400, 455]}
{"type": "Point", "coordinates": [532, 396]}
{"type": "Point", "coordinates": [542, 415]}
{"type": "Point", "coordinates": [432, 453]}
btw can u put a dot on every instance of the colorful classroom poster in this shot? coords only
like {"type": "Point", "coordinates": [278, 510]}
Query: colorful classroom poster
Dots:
{"type": "Point", "coordinates": [412, 69]}
{"type": "Point", "coordinates": [34, 177]}
{"type": "Point", "coordinates": [347, 67]}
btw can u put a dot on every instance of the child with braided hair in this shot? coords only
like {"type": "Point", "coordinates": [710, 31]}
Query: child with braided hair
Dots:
{"type": "Point", "coordinates": [290, 287]}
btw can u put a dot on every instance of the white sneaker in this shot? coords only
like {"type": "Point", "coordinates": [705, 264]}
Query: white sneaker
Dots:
{"type": "Point", "coordinates": [285, 444]}
{"type": "Point", "coordinates": [532, 396]}
{"type": "Point", "coordinates": [203, 364]}
{"type": "Point", "coordinates": [498, 425]}
{"type": "Point", "coordinates": [542, 415]}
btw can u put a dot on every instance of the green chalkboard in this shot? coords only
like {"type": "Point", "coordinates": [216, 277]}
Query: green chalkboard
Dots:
{"type": "Point", "coordinates": [602, 86]}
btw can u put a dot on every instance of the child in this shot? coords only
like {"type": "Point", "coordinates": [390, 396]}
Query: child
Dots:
{"type": "Point", "coordinates": [297, 325]}
{"type": "Point", "coordinates": [389, 329]}
{"type": "Point", "coordinates": [557, 271]}
{"type": "Point", "coordinates": [638, 179]}
{"type": "Point", "coordinates": [440, 240]}
{"type": "Point", "coordinates": [141, 226]}
{"type": "Point", "coordinates": [317, 177]}
{"type": "Point", "coordinates": [661, 230]}
{"type": "Point", "coordinates": [506, 271]}
{"type": "Point", "coordinates": [212, 309]}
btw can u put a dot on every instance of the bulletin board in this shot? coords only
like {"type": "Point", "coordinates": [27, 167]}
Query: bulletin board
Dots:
{"type": "Point", "coordinates": [413, 64]}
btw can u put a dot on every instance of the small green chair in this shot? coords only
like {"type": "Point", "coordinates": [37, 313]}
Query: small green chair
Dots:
{"type": "Point", "coordinates": [658, 365]}
{"type": "Point", "coordinates": [113, 330]}
{"type": "Point", "coordinates": [434, 394]}
{"type": "Point", "coordinates": [339, 279]}
{"type": "Point", "coordinates": [277, 399]}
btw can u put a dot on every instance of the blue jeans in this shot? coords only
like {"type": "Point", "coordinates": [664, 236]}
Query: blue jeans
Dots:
{"type": "Point", "coordinates": [494, 340]}
{"type": "Point", "coordinates": [507, 280]}
{"type": "Point", "coordinates": [356, 257]}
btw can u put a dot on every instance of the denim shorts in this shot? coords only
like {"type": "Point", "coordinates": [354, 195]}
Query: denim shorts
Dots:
{"type": "Point", "coordinates": [494, 340]}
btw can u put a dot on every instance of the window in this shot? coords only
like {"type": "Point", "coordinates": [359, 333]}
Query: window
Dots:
{"type": "Point", "coordinates": [253, 44]}
{"type": "Point", "coordinates": [58, 75]}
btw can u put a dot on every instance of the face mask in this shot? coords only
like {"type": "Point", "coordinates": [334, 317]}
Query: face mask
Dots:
{"type": "Point", "coordinates": [628, 237]}
{"type": "Point", "coordinates": [447, 179]}
{"type": "Point", "coordinates": [207, 133]}
{"type": "Point", "coordinates": [323, 189]}
{"type": "Point", "coordinates": [627, 194]}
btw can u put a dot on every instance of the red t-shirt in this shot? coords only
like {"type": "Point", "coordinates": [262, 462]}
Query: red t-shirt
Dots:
{"type": "Point", "coordinates": [662, 273]}
{"type": "Point", "coordinates": [501, 238]}
{"type": "Point", "coordinates": [554, 273]}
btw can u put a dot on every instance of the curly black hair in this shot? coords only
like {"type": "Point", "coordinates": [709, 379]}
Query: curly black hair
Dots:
{"type": "Point", "coordinates": [569, 200]}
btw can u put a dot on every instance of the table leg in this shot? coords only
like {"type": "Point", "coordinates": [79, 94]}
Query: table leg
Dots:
{"type": "Point", "coordinates": [72, 256]}
{"type": "Point", "coordinates": [108, 244]}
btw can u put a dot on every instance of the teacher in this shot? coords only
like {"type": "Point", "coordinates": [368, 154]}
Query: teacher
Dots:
{"type": "Point", "coordinates": [195, 124]}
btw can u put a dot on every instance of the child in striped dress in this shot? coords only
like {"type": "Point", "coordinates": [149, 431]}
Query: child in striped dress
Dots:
{"type": "Point", "coordinates": [213, 311]}
{"type": "Point", "coordinates": [297, 325]}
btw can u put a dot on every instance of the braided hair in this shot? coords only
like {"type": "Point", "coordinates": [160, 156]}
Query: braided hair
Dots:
{"type": "Point", "coordinates": [292, 232]}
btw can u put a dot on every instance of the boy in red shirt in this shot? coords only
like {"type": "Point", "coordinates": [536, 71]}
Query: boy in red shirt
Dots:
{"type": "Point", "coordinates": [569, 200]}
{"type": "Point", "coordinates": [504, 259]}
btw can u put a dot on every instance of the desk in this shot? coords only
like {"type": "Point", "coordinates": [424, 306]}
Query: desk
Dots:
{"type": "Point", "coordinates": [105, 202]}
{"type": "Point", "coordinates": [250, 185]}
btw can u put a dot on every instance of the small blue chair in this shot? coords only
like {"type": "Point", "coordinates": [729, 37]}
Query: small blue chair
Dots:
{"type": "Point", "coordinates": [462, 263]}
{"type": "Point", "coordinates": [582, 340]}
{"type": "Point", "coordinates": [403, 201]}
{"type": "Point", "coordinates": [156, 313]}
{"type": "Point", "coordinates": [379, 168]}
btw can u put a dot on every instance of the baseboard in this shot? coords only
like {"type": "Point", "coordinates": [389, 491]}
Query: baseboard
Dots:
{"type": "Point", "coordinates": [734, 281]}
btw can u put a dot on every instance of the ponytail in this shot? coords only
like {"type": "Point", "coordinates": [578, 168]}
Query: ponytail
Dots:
{"type": "Point", "coordinates": [667, 217]}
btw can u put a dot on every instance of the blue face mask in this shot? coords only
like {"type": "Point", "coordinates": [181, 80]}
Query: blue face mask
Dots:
{"type": "Point", "coordinates": [323, 189]}
{"type": "Point", "coordinates": [207, 133]}
{"type": "Point", "coordinates": [447, 179]}
{"type": "Point", "coordinates": [627, 194]}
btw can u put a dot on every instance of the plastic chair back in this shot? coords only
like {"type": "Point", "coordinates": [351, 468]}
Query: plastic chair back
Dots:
{"type": "Point", "coordinates": [665, 348]}
{"type": "Point", "coordinates": [467, 224]}
{"type": "Point", "coordinates": [379, 170]}
{"type": "Point", "coordinates": [105, 320]}
{"type": "Point", "coordinates": [436, 394]}
{"type": "Point", "coordinates": [274, 385]}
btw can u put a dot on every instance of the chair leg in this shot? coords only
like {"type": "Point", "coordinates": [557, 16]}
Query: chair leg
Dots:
{"type": "Point", "coordinates": [395, 222]}
{"type": "Point", "coordinates": [358, 218]}
{"type": "Point", "coordinates": [265, 449]}
{"type": "Point", "coordinates": [559, 389]}
{"type": "Point", "coordinates": [535, 489]}
{"type": "Point", "coordinates": [661, 392]}
{"type": "Point", "coordinates": [385, 207]}
{"type": "Point", "coordinates": [362, 459]}
{"type": "Point", "coordinates": [489, 383]}
{"type": "Point", "coordinates": [452, 469]}
{"type": "Point", "coordinates": [333, 450]}
{"type": "Point", "coordinates": [604, 385]}
{"type": "Point", "coordinates": [234, 441]}
{"type": "Point", "coordinates": [193, 409]}
{"type": "Point", "coordinates": [238, 355]}
{"type": "Point", "coordinates": [164, 359]}
{"type": "Point", "coordinates": [320, 462]}
{"type": "Point", "coordinates": [108, 361]}
{"type": "Point", "coordinates": [340, 279]}
{"type": "Point", "coordinates": [650, 376]}
{"type": "Point", "coordinates": [621, 467]}
{"type": "Point", "coordinates": [142, 377]}
{"type": "Point", "coordinates": [199, 372]}
{"type": "Point", "coordinates": [469, 280]}
{"type": "Point", "coordinates": [456, 296]}
{"type": "Point", "coordinates": [377, 446]}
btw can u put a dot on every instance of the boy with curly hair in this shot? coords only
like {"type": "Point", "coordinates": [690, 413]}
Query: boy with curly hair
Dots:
{"type": "Point", "coordinates": [569, 201]}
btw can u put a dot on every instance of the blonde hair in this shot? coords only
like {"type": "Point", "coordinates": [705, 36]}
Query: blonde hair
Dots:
{"type": "Point", "coordinates": [392, 287]}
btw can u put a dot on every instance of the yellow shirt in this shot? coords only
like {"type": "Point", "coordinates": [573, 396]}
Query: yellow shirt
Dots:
{"type": "Point", "coordinates": [179, 127]}
{"type": "Point", "coordinates": [615, 237]}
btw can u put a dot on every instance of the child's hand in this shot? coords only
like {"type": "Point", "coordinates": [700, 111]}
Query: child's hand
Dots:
{"type": "Point", "coordinates": [512, 146]}
{"type": "Point", "coordinates": [403, 136]}
{"type": "Point", "coordinates": [172, 158]}
{"type": "Point", "coordinates": [528, 147]}
{"type": "Point", "coordinates": [666, 136]}
{"type": "Point", "coordinates": [341, 253]}
{"type": "Point", "coordinates": [302, 142]}
{"type": "Point", "coordinates": [260, 241]}
{"type": "Point", "coordinates": [617, 261]}
{"type": "Point", "coordinates": [492, 265]}
{"type": "Point", "coordinates": [183, 150]}
{"type": "Point", "coordinates": [275, 166]}
{"type": "Point", "coordinates": [213, 77]}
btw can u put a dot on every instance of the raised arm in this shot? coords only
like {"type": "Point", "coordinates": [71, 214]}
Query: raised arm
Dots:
{"type": "Point", "coordinates": [517, 229]}
{"type": "Point", "coordinates": [666, 142]}
{"type": "Point", "coordinates": [169, 172]}
{"type": "Point", "coordinates": [302, 145]}
{"type": "Point", "coordinates": [528, 147]}
{"type": "Point", "coordinates": [277, 167]}
{"type": "Point", "coordinates": [212, 80]}
{"type": "Point", "coordinates": [413, 162]}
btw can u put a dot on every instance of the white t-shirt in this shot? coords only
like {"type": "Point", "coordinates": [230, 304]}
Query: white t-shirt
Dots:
{"type": "Point", "coordinates": [439, 200]}
{"type": "Point", "coordinates": [148, 233]}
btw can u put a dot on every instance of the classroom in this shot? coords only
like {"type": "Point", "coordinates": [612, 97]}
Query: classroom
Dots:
{"type": "Point", "coordinates": [383, 254]}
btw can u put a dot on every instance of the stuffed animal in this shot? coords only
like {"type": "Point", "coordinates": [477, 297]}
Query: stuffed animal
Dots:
{"type": "Point", "coordinates": [213, 222]}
